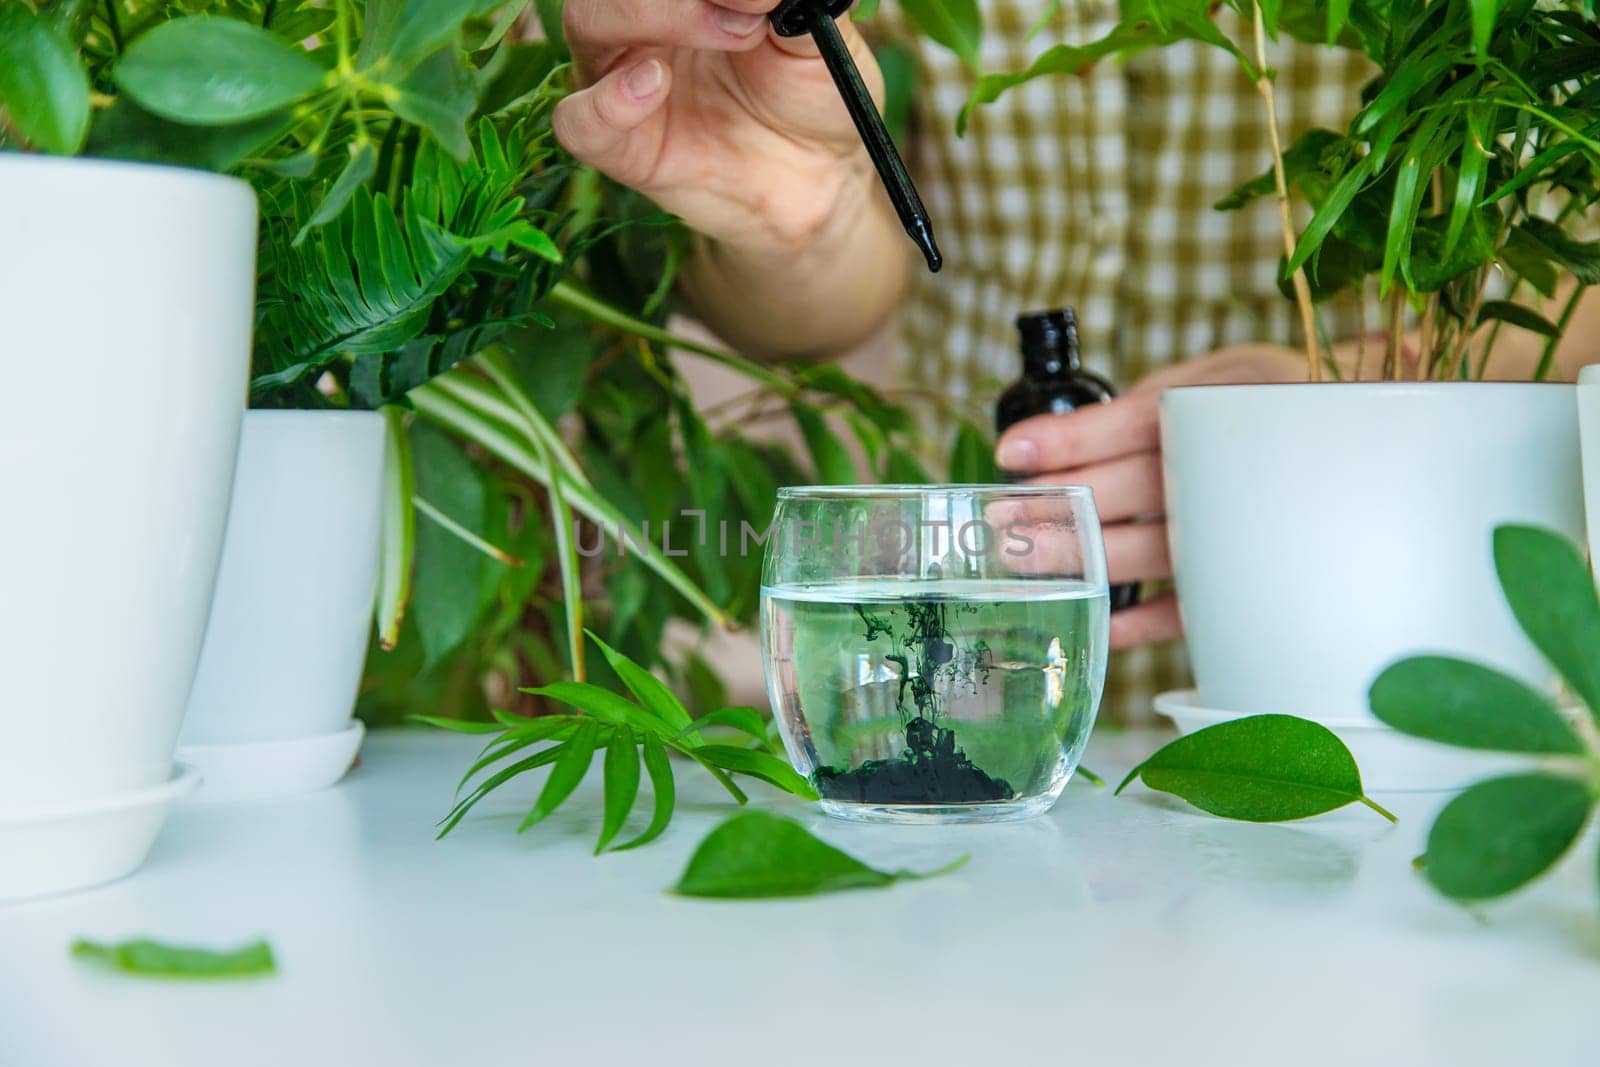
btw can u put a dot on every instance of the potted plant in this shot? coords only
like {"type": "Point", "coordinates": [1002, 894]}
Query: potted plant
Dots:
{"type": "Point", "coordinates": [1320, 530]}
{"type": "Point", "coordinates": [116, 460]}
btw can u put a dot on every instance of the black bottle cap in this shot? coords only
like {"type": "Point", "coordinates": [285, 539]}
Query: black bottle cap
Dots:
{"type": "Point", "coordinates": [793, 17]}
{"type": "Point", "coordinates": [1050, 337]}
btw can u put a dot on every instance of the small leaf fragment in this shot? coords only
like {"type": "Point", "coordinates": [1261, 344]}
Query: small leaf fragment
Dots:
{"type": "Point", "coordinates": [154, 959]}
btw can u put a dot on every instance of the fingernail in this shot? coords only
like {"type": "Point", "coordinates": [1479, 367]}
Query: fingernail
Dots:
{"type": "Point", "coordinates": [738, 23]}
{"type": "Point", "coordinates": [642, 81]}
{"type": "Point", "coordinates": [1017, 454]}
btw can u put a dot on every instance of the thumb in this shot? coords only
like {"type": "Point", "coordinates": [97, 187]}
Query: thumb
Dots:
{"type": "Point", "coordinates": [599, 125]}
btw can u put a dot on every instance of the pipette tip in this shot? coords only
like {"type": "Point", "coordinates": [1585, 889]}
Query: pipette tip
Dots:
{"type": "Point", "coordinates": [921, 232]}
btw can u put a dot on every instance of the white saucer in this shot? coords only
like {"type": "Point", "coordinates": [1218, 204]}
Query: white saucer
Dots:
{"type": "Point", "coordinates": [265, 770]}
{"type": "Point", "coordinates": [56, 850]}
{"type": "Point", "coordinates": [1390, 761]}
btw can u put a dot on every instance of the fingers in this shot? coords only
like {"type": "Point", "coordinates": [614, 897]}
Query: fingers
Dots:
{"type": "Point", "coordinates": [599, 125]}
{"type": "Point", "coordinates": [1137, 552]}
{"type": "Point", "coordinates": [1148, 623]}
{"type": "Point", "coordinates": [1089, 435]}
{"type": "Point", "coordinates": [1128, 487]}
{"type": "Point", "coordinates": [598, 28]}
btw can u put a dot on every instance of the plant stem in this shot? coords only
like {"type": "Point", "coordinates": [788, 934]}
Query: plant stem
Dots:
{"type": "Point", "coordinates": [599, 311]}
{"type": "Point", "coordinates": [466, 536]}
{"type": "Point", "coordinates": [1548, 358]}
{"type": "Point", "coordinates": [1380, 809]}
{"type": "Point", "coordinates": [114, 24]}
{"type": "Point", "coordinates": [1468, 325]}
{"type": "Point", "coordinates": [1397, 324]}
{"type": "Point", "coordinates": [1302, 288]}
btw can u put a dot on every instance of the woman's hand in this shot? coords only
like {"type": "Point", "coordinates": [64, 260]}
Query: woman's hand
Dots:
{"type": "Point", "coordinates": [741, 133]}
{"type": "Point", "coordinates": [703, 108]}
{"type": "Point", "coordinates": [1115, 449]}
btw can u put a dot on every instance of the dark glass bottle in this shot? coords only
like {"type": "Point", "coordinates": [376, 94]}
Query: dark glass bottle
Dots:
{"type": "Point", "coordinates": [1054, 381]}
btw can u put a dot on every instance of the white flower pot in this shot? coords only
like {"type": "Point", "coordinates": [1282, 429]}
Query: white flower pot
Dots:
{"type": "Point", "coordinates": [270, 713]}
{"type": "Point", "coordinates": [126, 297]}
{"type": "Point", "coordinates": [1320, 532]}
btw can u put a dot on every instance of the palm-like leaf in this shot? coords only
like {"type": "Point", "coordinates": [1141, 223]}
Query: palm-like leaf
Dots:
{"type": "Point", "coordinates": [364, 284]}
{"type": "Point", "coordinates": [408, 289]}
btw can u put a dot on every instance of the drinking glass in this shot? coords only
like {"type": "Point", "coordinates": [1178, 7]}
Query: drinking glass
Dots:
{"type": "Point", "coordinates": [935, 653]}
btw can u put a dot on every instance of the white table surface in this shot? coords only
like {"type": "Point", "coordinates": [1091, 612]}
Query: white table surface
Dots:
{"type": "Point", "coordinates": [1124, 930]}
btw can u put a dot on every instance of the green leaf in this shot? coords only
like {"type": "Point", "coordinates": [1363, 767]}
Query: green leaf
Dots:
{"type": "Point", "coordinates": [1517, 315]}
{"type": "Point", "coordinates": [622, 784]}
{"type": "Point", "coordinates": [606, 706]}
{"type": "Point", "coordinates": [756, 855]}
{"type": "Point", "coordinates": [1484, 13]}
{"type": "Point", "coordinates": [1503, 833]}
{"type": "Point", "coordinates": [399, 33]}
{"type": "Point", "coordinates": [357, 171]}
{"type": "Point", "coordinates": [1531, 262]}
{"type": "Point", "coordinates": [397, 534]}
{"type": "Point", "coordinates": [747, 721]}
{"type": "Point", "coordinates": [1264, 768]}
{"type": "Point", "coordinates": [956, 24]}
{"type": "Point", "coordinates": [768, 768]}
{"type": "Point", "coordinates": [363, 284]}
{"type": "Point", "coordinates": [646, 687]}
{"type": "Point", "coordinates": [44, 88]}
{"type": "Point", "coordinates": [1330, 212]}
{"type": "Point", "coordinates": [447, 590]}
{"type": "Point", "coordinates": [903, 468]}
{"type": "Point", "coordinates": [127, 131]}
{"type": "Point", "coordinates": [832, 459]}
{"type": "Point", "coordinates": [972, 457]}
{"type": "Point", "coordinates": [440, 97]}
{"type": "Point", "coordinates": [1581, 259]}
{"type": "Point", "coordinates": [458, 726]}
{"type": "Point", "coordinates": [1552, 594]}
{"type": "Point", "coordinates": [495, 781]}
{"type": "Point", "coordinates": [155, 959]}
{"type": "Point", "coordinates": [1459, 703]}
{"type": "Point", "coordinates": [570, 767]}
{"type": "Point", "coordinates": [1063, 59]}
{"type": "Point", "coordinates": [661, 782]}
{"type": "Point", "coordinates": [214, 71]}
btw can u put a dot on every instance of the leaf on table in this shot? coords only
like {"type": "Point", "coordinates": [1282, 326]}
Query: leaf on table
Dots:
{"type": "Point", "coordinates": [757, 855]}
{"type": "Point", "coordinates": [760, 765]}
{"type": "Point", "coordinates": [661, 781]}
{"type": "Point", "coordinates": [747, 721]}
{"type": "Point", "coordinates": [622, 783]}
{"type": "Point", "coordinates": [1501, 834]}
{"type": "Point", "coordinates": [570, 767]}
{"type": "Point", "coordinates": [1264, 768]}
{"type": "Point", "coordinates": [1552, 594]}
{"type": "Point", "coordinates": [646, 687]}
{"type": "Point", "coordinates": [604, 705]}
{"type": "Point", "coordinates": [215, 71]}
{"type": "Point", "coordinates": [1455, 702]}
{"type": "Point", "coordinates": [157, 960]}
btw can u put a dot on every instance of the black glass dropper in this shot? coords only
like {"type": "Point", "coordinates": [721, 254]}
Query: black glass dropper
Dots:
{"type": "Point", "coordinates": [796, 18]}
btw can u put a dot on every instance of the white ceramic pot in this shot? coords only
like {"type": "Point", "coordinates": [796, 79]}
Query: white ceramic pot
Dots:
{"type": "Point", "coordinates": [1589, 428]}
{"type": "Point", "coordinates": [1320, 532]}
{"type": "Point", "coordinates": [126, 303]}
{"type": "Point", "coordinates": [270, 713]}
